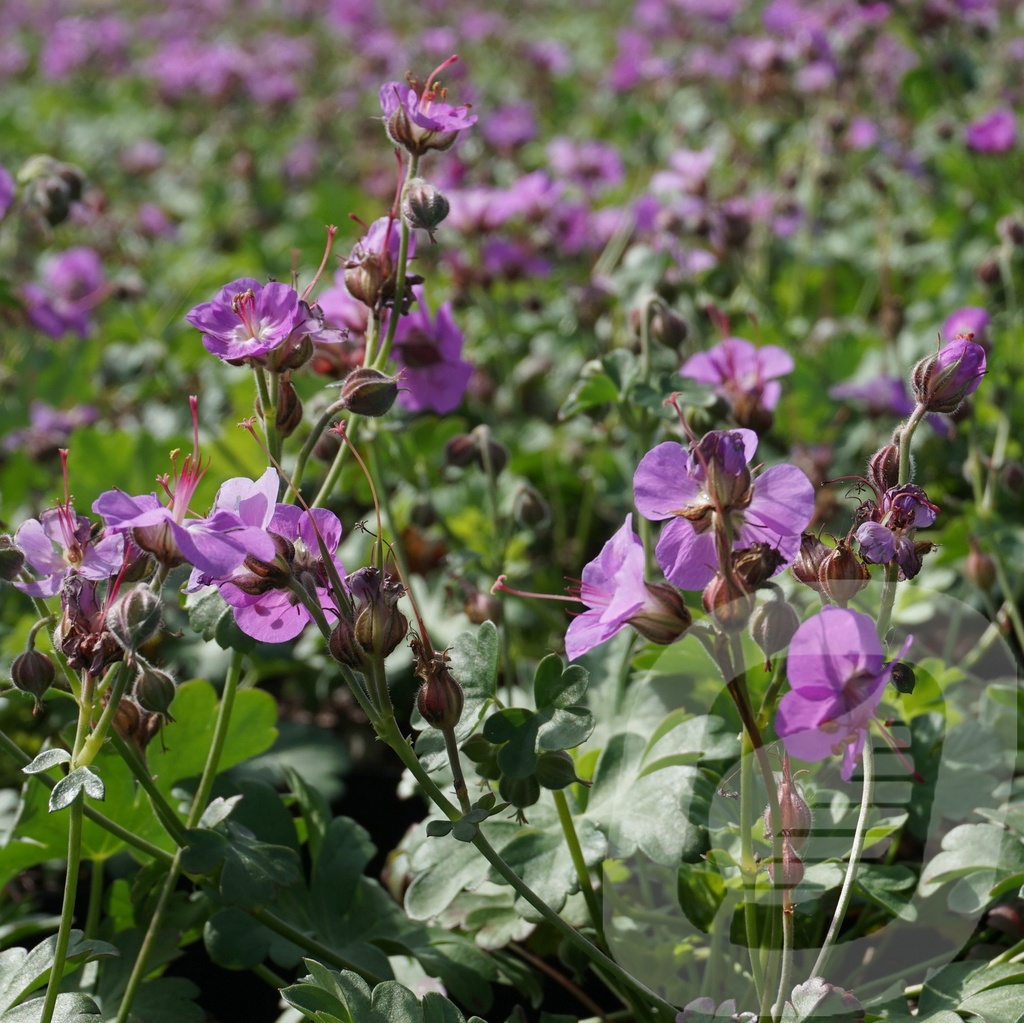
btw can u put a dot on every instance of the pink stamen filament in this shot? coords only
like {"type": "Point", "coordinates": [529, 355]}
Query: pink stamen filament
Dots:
{"type": "Point", "coordinates": [244, 307]}
{"type": "Point", "coordinates": [331, 232]}
{"type": "Point", "coordinates": [499, 585]}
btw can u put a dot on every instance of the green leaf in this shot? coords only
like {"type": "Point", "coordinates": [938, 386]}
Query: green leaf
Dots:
{"type": "Point", "coordinates": [554, 686]}
{"type": "Point", "coordinates": [204, 851]}
{"type": "Point", "coordinates": [315, 811]}
{"type": "Point", "coordinates": [81, 779]}
{"type": "Point", "coordinates": [235, 941]}
{"type": "Point", "coordinates": [982, 855]}
{"type": "Point", "coordinates": [816, 999]}
{"type": "Point", "coordinates": [891, 887]}
{"type": "Point", "coordinates": [47, 759]}
{"type": "Point", "coordinates": [253, 869]}
{"type": "Point", "coordinates": [589, 393]}
{"type": "Point", "coordinates": [69, 1008]}
{"type": "Point", "coordinates": [701, 892]}
{"type": "Point", "coordinates": [210, 616]}
{"type": "Point", "coordinates": [563, 728]}
{"type": "Point", "coordinates": [21, 971]}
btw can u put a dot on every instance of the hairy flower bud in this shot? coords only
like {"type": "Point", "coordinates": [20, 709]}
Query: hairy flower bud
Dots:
{"type": "Point", "coordinates": [795, 817]}
{"type": "Point", "coordinates": [343, 646]}
{"type": "Point", "coordinates": [134, 617]}
{"type": "Point", "coordinates": [154, 690]}
{"type": "Point", "coordinates": [268, 575]}
{"type": "Point", "coordinates": [842, 575]}
{"type": "Point", "coordinates": [729, 602]}
{"type": "Point", "coordinates": [12, 560]}
{"type": "Point", "coordinates": [884, 468]}
{"type": "Point", "coordinates": [669, 329]}
{"type": "Point", "coordinates": [942, 381]}
{"type": "Point", "coordinates": [369, 392]}
{"type": "Point", "coordinates": [556, 769]}
{"type": "Point", "coordinates": [979, 568]}
{"type": "Point", "coordinates": [365, 278]}
{"type": "Point", "coordinates": [440, 698]}
{"type": "Point", "coordinates": [423, 206]}
{"type": "Point", "coordinates": [50, 187]}
{"type": "Point", "coordinates": [772, 626]}
{"type": "Point", "coordinates": [32, 672]}
{"type": "Point", "coordinates": [792, 872]}
{"type": "Point", "coordinates": [482, 607]}
{"type": "Point", "coordinates": [380, 627]}
{"type": "Point", "coordinates": [756, 564]}
{"type": "Point", "coordinates": [670, 619]}
{"type": "Point", "coordinates": [807, 564]}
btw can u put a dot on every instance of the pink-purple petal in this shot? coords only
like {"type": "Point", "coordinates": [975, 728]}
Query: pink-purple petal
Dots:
{"type": "Point", "coordinates": [661, 485]}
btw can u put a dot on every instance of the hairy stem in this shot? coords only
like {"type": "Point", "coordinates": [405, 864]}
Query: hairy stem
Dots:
{"type": "Point", "coordinates": [576, 852]}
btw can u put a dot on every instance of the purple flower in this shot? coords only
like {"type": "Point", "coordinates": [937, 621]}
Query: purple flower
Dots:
{"type": "Point", "coordinates": [247, 320]}
{"type": "Point", "coordinates": [837, 673]}
{"type": "Point", "coordinates": [59, 543]}
{"type": "Point", "coordinates": [49, 429]}
{"type": "Point", "coordinates": [7, 190]}
{"type": "Point", "coordinates": [595, 165]}
{"type": "Point", "coordinates": [614, 590]}
{"type": "Point", "coordinates": [430, 350]}
{"type": "Point", "coordinates": [884, 538]}
{"type": "Point", "coordinates": [72, 284]}
{"type": "Point", "coordinates": [512, 126]}
{"type": "Point", "coordinates": [741, 373]}
{"type": "Point", "coordinates": [278, 615]}
{"type": "Point", "coordinates": [214, 545]}
{"type": "Point", "coordinates": [942, 381]}
{"type": "Point", "coordinates": [419, 118]}
{"type": "Point", "coordinates": [692, 488]}
{"type": "Point", "coordinates": [995, 132]}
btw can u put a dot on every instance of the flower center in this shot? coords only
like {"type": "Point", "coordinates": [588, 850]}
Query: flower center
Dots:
{"type": "Point", "coordinates": [244, 307]}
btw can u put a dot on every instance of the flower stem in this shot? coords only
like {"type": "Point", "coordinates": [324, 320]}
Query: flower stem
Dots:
{"type": "Point", "coordinates": [576, 852]}
{"type": "Point", "coordinates": [60, 952]}
{"type": "Point", "coordinates": [846, 892]}
{"type": "Point", "coordinates": [138, 766]}
{"type": "Point", "coordinates": [95, 907]}
{"type": "Point", "coordinates": [786, 979]}
{"type": "Point", "coordinates": [92, 745]}
{"type": "Point", "coordinates": [269, 406]}
{"type": "Point", "coordinates": [306, 450]}
{"type": "Point", "coordinates": [906, 433]}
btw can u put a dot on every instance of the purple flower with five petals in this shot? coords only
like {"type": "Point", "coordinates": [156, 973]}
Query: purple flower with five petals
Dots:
{"type": "Point", "coordinates": [59, 543]}
{"type": "Point", "coordinates": [837, 673]}
{"type": "Point", "coordinates": [995, 132]}
{"type": "Point", "coordinates": [693, 487]}
{"type": "Point", "coordinates": [247, 320]}
{"type": "Point", "coordinates": [739, 371]}
{"type": "Point", "coordinates": [419, 117]}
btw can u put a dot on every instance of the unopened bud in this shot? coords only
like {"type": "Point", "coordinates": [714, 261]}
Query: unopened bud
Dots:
{"type": "Point", "coordinates": [520, 792]}
{"type": "Point", "coordinates": [12, 560]}
{"type": "Point", "coordinates": [756, 564]}
{"type": "Point", "coordinates": [942, 381]}
{"type": "Point", "coordinates": [365, 278]}
{"type": "Point", "coordinates": [772, 626]}
{"type": "Point", "coordinates": [884, 468]}
{"type": "Point", "coordinates": [979, 568]}
{"type": "Point", "coordinates": [289, 407]}
{"type": "Point", "coordinates": [792, 872]}
{"type": "Point", "coordinates": [483, 607]}
{"type": "Point", "coordinates": [423, 206]}
{"type": "Point", "coordinates": [903, 678]}
{"type": "Point", "coordinates": [729, 602]}
{"type": "Point", "coordinates": [668, 617]}
{"type": "Point", "coordinates": [440, 699]}
{"type": "Point", "coordinates": [807, 564]}
{"type": "Point", "coordinates": [343, 646]}
{"type": "Point", "coordinates": [842, 575]}
{"type": "Point", "coordinates": [530, 509]}
{"type": "Point", "coordinates": [989, 271]}
{"type": "Point", "coordinates": [555, 770]}
{"type": "Point", "coordinates": [32, 672]}
{"type": "Point", "coordinates": [134, 617]}
{"type": "Point", "coordinates": [369, 392]}
{"type": "Point", "coordinates": [795, 817]}
{"type": "Point", "coordinates": [669, 329]}
{"type": "Point", "coordinates": [154, 690]}
{"type": "Point", "coordinates": [380, 627]}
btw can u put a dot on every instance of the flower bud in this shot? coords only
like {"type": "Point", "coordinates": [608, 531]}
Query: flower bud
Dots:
{"type": "Point", "coordinates": [668, 620]}
{"type": "Point", "coordinates": [369, 392]}
{"type": "Point", "coordinates": [482, 607]}
{"type": "Point", "coordinates": [461, 451]}
{"type": "Point", "coordinates": [154, 690]}
{"type": "Point", "coordinates": [365, 278]}
{"type": "Point", "coordinates": [750, 412]}
{"type": "Point", "coordinates": [729, 602]}
{"type": "Point", "coordinates": [772, 626]}
{"type": "Point", "coordinates": [529, 509]}
{"type": "Point", "coordinates": [423, 206]}
{"type": "Point", "coordinates": [268, 575]}
{"type": "Point", "coordinates": [884, 468]}
{"type": "Point", "coordinates": [343, 646]}
{"type": "Point", "coordinates": [756, 564]}
{"type": "Point", "coordinates": [795, 817]}
{"type": "Point", "coordinates": [903, 678]}
{"type": "Point", "coordinates": [807, 564]}
{"type": "Point", "coordinates": [842, 575]}
{"type": "Point", "coordinates": [440, 698]}
{"type": "Point", "coordinates": [51, 187]}
{"type": "Point", "coordinates": [979, 568]}
{"type": "Point", "coordinates": [942, 381]}
{"type": "Point", "coordinates": [134, 617]}
{"type": "Point", "coordinates": [12, 560]}
{"type": "Point", "coordinates": [989, 271]}
{"type": "Point", "coordinates": [159, 541]}
{"type": "Point", "coordinates": [520, 792]}
{"type": "Point", "coordinates": [127, 720]}
{"type": "Point", "coordinates": [32, 672]}
{"type": "Point", "coordinates": [792, 872]}
{"type": "Point", "coordinates": [555, 770]}
{"type": "Point", "coordinates": [669, 329]}
{"type": "Point", "coordinates": [380, 627]}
